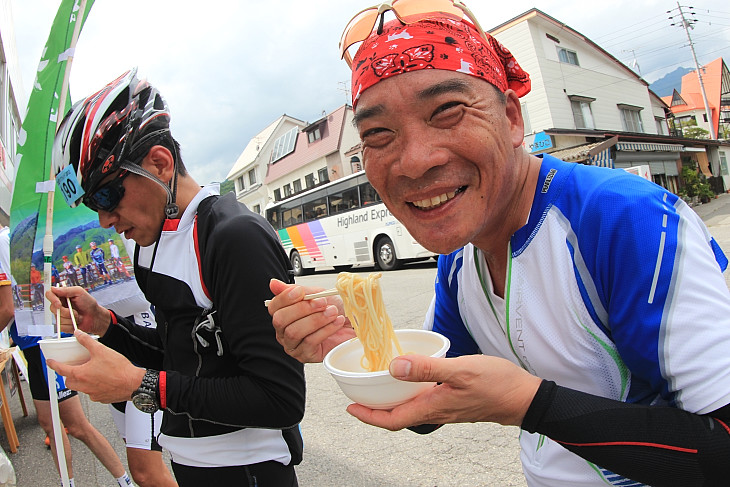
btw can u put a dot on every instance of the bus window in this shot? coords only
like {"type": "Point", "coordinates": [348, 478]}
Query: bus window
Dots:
{"type": "Point", "coordinates": [368, 194]}
{"type": "Point", "coordinates": [315, 209]}
{"type": "Point", "coordinates": [273, 217]}
{"type": "Point", "coordinates": [343, 201]}
{"type": "Point", "coordinates": [291, 215]}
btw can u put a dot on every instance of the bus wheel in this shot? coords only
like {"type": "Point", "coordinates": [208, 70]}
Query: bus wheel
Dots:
{"type": "Point", "coordinates": [385, 255]}
{"type": "Point", "coordinates": [296, 263]}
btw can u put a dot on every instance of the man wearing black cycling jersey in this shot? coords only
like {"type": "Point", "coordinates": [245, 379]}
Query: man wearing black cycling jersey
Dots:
{"type": "Point", "coordinates": [231, 398]}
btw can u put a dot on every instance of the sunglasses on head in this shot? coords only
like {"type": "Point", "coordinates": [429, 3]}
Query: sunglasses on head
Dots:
{"type": "Point", "coordinates": [408, 12]}
{"type": "Point", "coordinates": [107, 196]}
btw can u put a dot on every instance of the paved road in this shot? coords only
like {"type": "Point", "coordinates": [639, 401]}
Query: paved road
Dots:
{"type": "Point", "coordinates": [340, 451]}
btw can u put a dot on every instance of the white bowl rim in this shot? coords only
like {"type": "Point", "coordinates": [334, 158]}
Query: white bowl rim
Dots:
{"type": "Point", "coordinates": [58, 340]}
{"type": "Point", "coordinates": [66, 339]}
{"type": "Point", "coordinates": [344, 373]}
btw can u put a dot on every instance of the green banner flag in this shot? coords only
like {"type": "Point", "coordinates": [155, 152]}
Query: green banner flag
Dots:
{"type": "Point", "coordinates": [72, 228]}
{"type": "Point", "coordinates": [35, 143]}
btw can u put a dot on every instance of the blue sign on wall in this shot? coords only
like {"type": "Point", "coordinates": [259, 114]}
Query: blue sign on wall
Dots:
{"type": "Point", "coordinates": [542, 141]}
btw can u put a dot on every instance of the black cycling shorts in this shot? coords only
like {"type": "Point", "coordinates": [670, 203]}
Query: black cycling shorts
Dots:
{"type": "Point", "coordinates": [37, 377]}
{"type": "Point", "coordinates": [265, 474]}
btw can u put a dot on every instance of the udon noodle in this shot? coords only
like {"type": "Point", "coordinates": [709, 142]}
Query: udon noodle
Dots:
{"type": "Point", "coordinates": [365, 309]}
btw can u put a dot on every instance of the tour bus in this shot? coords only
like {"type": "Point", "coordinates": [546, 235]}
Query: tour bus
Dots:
{"type": "Point", "coordinates": [341, 224]}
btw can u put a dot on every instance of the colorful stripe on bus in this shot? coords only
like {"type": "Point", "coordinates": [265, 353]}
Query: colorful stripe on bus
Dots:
{"type": "Point", "coordinates": [306, 238]}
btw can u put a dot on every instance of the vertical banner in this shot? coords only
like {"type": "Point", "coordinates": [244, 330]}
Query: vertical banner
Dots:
{"type": "Point", "coordinates": [35, 142]}
{"type": "Point", "coordinates": [84, 254]}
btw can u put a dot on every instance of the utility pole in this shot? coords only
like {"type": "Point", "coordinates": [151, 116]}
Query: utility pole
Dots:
{"type": "Point", "coordinates": [345, 88]}
{"type": "Point", "coordinates": [634, 63]}
{"type": "Point", "coordinates": [689, 24]}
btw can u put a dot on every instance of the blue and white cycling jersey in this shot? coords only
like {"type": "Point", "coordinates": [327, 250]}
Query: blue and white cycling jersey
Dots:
{"type": "Point", "coordinates": [97, 254]}
{"type": "Point", "coordinates": [614, 287]}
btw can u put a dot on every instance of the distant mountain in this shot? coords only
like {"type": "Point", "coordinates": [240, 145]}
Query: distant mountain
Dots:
{"type": "Point", "coordinates": [666, 85]}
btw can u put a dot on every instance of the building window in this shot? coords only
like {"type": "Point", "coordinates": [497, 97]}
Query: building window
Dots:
{"type": "Point", "coordinates": [582, 114]}
{"type": "Point", "coordinates": [313, 135]}
{"type": "Point", "coordinates": [568, 57]}
{"type": "Point", "coordinates": [309, 180]}
{"type": "Point", "coordinates": [526, 119]}
{"type": "Point", "coordinates": [287, 190]}
{"type": "Point", "coordinates": [661, 125]}
{"type": "Point", "coordinates": [355, 164]}
{"type": "Point", "coordinates": [284, 145]}
{"type": "Point", "coordinates": [257, 209]}
{"type": "Point", "coordinates": [239, 183]}
{"type": "Point", "coordinates": [297, 185]}
{"type": "Point", "coordinates": [277, 194]}
{"type": "Point", "coordinates": [252, 177]}
{"type": "Point", "coordinates": [631, 118]}
{"type": "Point", "coordinates": [323, 176]}
{"type": "Point", "coordinates": [677, 99]}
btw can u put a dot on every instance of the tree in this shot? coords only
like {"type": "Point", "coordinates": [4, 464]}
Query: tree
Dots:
{"type": "Point", "coordinates": [690, 130]}
{"type": "Point", "coordinates": [227, 186]}
{"type": "Point", "coordinates": [694, 186]}
{"type": "Point", "coordinates": [724, 131]}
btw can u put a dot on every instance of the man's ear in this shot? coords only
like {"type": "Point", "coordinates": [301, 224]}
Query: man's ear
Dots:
{"type": "Point", "coordinates": [513, 110]}
{"type": "Point", "coordinates": [160, 162]}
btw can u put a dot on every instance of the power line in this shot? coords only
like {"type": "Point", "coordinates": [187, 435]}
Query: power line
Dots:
{"type": "Point", "coordinates": [615, 31]}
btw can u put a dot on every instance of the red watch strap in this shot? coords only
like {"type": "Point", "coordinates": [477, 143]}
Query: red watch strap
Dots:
{"type": "Point", "coordinates": [162, 389]}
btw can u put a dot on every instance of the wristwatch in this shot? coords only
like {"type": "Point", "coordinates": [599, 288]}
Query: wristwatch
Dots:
{"type": "Point", "coordinates": [145, 397]}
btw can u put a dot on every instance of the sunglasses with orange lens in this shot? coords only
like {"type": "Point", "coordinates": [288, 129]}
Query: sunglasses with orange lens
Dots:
{"type": "Point", "coordinates": [408, 12]}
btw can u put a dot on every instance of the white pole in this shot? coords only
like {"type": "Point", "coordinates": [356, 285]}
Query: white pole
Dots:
{"type": "Point", "coordinates": [56, 420]}
{"type": "Point", "coordinates": [48, 257]}
{"type": "Point", "coordinates": [708, 114]}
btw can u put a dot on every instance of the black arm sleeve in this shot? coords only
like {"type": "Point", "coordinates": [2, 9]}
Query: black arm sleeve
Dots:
{"type": "Point", "coordinates": [660, 446]}
{"type": "Point", "coordinates": [141, 345]}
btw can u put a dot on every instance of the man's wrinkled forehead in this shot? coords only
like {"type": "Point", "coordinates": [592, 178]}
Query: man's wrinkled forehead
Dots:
{"type": "Point", "coordinates": [454, 83]}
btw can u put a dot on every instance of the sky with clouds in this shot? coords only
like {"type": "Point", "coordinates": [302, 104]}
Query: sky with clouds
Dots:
{"type": "Point", "coordinates": [228, 68]}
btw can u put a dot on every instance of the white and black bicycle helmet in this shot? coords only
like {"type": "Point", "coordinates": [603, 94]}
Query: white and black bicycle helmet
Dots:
{"type": "Point", "coordinates": [114, 129]}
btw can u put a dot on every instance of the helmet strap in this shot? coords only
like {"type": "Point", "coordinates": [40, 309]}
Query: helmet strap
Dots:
{"type": "Point", "coordinates": [171, 208]}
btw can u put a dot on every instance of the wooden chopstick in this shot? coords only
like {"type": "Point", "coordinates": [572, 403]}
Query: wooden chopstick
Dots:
{"type": "Point", "coordinates": [321, 294]}
{"type": "Point", "coordinates": [70, 309]}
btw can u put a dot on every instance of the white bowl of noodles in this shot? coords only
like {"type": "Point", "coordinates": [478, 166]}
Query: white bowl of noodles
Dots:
{"type": "Point", "coordinates": [380, 390]}
{"type": "Point", "coordinates": [66, 350]}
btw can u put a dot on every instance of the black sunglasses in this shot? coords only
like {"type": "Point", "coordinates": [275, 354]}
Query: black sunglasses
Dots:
{"type": "Point", "coordinates": [108, 196]}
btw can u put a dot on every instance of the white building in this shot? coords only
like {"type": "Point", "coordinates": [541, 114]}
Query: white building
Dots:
{"type": "Point", "coordinates": [12, 104]}
{"type": "Point", "coordinates": [271, 144]}
{"type": "Point", "coordinates": [575, 83]}
{"type": "Point", "coordinates": [587, 106]}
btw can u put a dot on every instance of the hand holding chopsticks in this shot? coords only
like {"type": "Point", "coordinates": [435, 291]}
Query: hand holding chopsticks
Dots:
{"type": "Point", "coordinates": [84, 312]}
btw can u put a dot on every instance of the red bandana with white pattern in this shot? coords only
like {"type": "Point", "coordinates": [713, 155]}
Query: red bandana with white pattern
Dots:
{"type": "Point", "coordinates": [437, 43]}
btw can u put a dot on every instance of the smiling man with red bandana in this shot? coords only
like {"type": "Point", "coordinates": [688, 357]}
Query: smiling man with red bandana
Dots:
{"type": "Point", "coordinates": [583, 304]}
